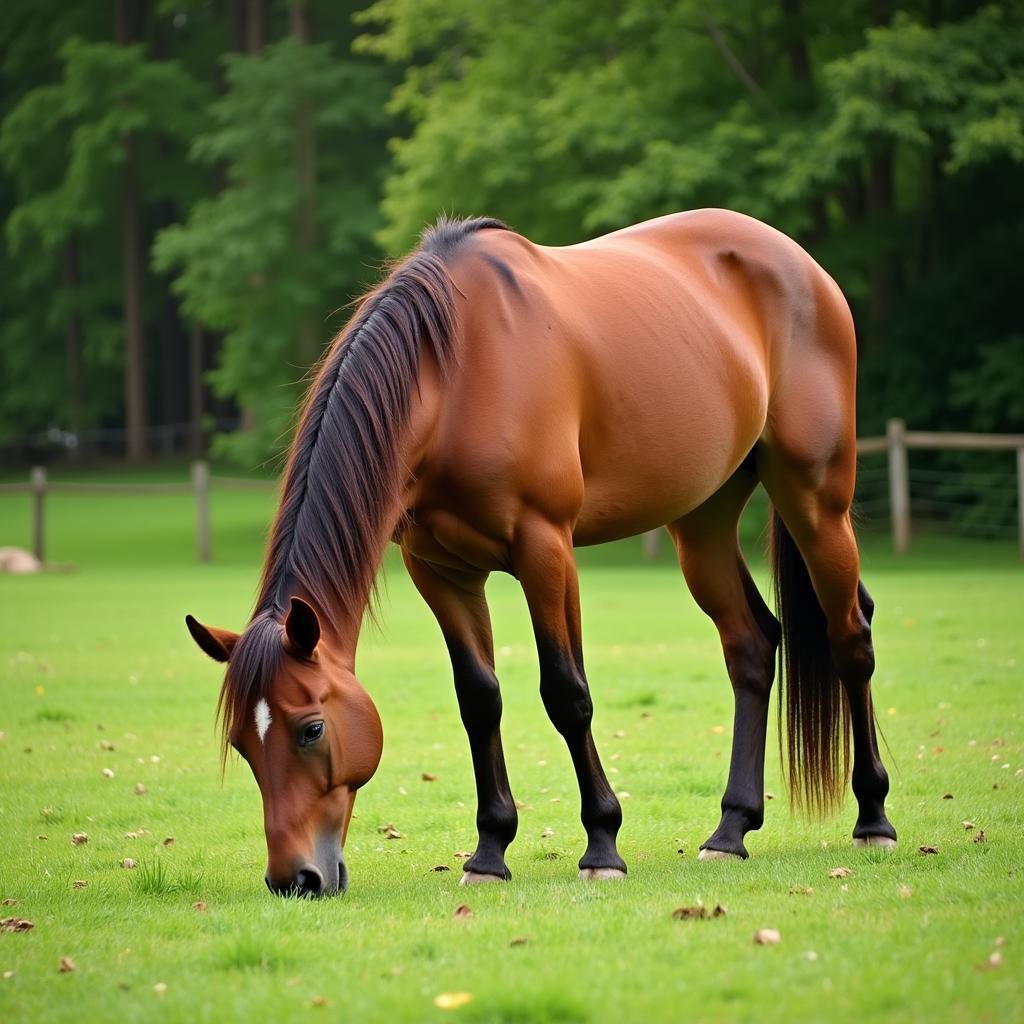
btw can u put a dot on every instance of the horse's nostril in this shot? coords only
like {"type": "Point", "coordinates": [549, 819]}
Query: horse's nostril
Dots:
{"type": "Point", "coordinates": [309, 882]}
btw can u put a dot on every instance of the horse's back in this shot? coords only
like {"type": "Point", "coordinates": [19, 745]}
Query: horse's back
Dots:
{"type": "Point", "coordinates": [627, 376]}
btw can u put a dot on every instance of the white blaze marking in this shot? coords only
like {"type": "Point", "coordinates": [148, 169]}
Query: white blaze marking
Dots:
{"type": "Point", "coordinates": [263, 719]}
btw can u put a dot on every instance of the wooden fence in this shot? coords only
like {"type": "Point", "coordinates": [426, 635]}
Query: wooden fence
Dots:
{"type": "Point", "coordinates": [896, 444]}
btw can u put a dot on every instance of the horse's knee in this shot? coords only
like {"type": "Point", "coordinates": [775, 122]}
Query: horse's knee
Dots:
{"type": "Point", "coordinates": [853, 652]}
{"type": "Point", "coordinates": [478, 692]}
{"type": "Point", "coordinates": [750, 659]}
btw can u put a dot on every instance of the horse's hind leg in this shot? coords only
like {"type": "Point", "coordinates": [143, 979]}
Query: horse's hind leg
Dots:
{"type": "Point", "coordinates": [546, 568]}
{"type": "Point", "coordinates": [717, 576]}
{"type": "Point", "coordinates": [813, 500]}
{"type": "Point", "coordinates": [458, 603]}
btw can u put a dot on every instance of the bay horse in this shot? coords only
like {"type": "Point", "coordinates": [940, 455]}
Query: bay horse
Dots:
{"type": "Point", "coordinates": [490, 405]}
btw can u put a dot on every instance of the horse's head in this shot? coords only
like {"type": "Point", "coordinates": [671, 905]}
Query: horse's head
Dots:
{"type": "Point", "coordinates": [292, 707]}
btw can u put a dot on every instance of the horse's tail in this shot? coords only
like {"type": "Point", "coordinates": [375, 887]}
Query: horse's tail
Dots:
{"type": "Point", "coordinates": [817, 747]}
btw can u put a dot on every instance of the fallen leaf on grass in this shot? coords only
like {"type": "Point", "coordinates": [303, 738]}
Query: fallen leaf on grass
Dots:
{"type": "Point", "coordinates": [107, 773]}
{"type": "Point", "coordinates": [106, 745]}
{"type": "Point", "coordinates": [547, 833]}
{"type": "Point", "coordinates": [840, 873]}
{"type": "Point", "coordinates": [67, 965]}
{"type": "Point", "coordinates": [519, 940]}
{"type": "Point", "coordinates": [160, 988]}
{"type": "Point", "coordinates": [44, 838]}
{"type": "Point", "coordinates": [697, 913]}
{"type": "Point", "coordinates": [769, 796]}
{"type": "Point", "coordinates": [927, 849]}
{"type": "Point", "coordinates": [16, 924]}
{"type": "Point", "coordinates": [994, 961]}
{"type": "Point", "coordinates": [440, 867]}
{"type": "Point", "coordinates": [199, 905]}
{"type": "Point", "coordinates": [906, 892]}
{"type": "Point", "coordinates": [427, 777]}
{"type": "Point", "coordinates": [317, 1001]}
{"type": "Point", "coordinates": [980, 836]}
{"type": "Point", "coordinates": [8, 975]}
{"type": "Point", "coordinates": [78, 838]}
{"type": "Point", "coordinates": [452, 1000]}
{"type": "Point", "coordinates": [767, 937]}
{"type": "Point", "coordinates": [968, 825]}
{"type": "Point", "coordinates": [139, 789]}
{"type": "Point", "coordinates": [947, 796]}
{"type": "Point", "coordinates": [800, 890]}
{"type": "Point", "coordinates": [169, 841]}
{"type": "Point", "coordinates": [9, 902]}
{"type": "Point", "coordinates": [79, 883]}
{"type": "Point", "coordinates": [127, 863]}
{"type": "Point", "coordinates": [462, 910]}
{"type": "Point", "coordinates": [462, 855]}
{"type": "Point", "coordinates": [390, 831]}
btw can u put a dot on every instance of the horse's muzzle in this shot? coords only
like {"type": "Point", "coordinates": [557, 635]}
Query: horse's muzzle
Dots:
{"type": "Point", "coordinates": [312, 880]}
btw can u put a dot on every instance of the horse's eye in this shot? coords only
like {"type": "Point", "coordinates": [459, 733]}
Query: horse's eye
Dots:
{"type": "Point", "coordinates": [311, 733]}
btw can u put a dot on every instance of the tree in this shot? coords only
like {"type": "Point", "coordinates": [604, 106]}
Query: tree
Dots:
{"type": "Point", "coordinates": [274, 251]}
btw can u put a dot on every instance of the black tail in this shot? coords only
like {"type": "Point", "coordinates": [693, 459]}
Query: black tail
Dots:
{"type": "Point", "coordinates": [817, 747]}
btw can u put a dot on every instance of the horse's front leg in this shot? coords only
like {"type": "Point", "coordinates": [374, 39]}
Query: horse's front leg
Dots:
{"type": "Point", "coordinates": [546, 568]}
{"type": "Point", "coordinates": [458, 602]}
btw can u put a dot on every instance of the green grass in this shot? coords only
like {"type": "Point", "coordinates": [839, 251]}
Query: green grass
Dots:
{"type": "Point", "coordinates": [100, 656]}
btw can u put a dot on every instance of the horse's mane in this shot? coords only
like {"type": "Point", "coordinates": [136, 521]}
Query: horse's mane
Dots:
{"type": "Point", "coordinates": [343, 476]}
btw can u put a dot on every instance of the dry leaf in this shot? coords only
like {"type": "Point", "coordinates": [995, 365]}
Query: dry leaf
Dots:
{"type": "Point", "coordinates": [619, 733]}
{"type": "Point", "coordinates": [947, 796]}
{"type": "Point", "coordinates": [719, 911]}
{"type": "Point", "coordinates": [78, 838]}
{"type": "Point", "coordinates": [108, 773]}
{"type": "Point", "coordinates": [199, 905]}
{"type": "Point", "coordinates": [16, 924]}
{"type": "Point", "coordinates": [906, 892]}
{"type": "Point", "coordinates": [840, 873]}
{"type": "Point", "coordinates": [979, 836]}
{"type": "Point", "coordinates": [932, 849]}
{"type": "Point", "coordinates": [139, 789]}
{"type": "Point", "coordinates": [169, 841]}
{"type": "Point", "coordinates": [698, 912]}
{"type": "Point", "coordinates": [160, 988]}
{"type": "Point", "coordinates": [79, 883]}
{"type": "Point", "coordinates": [452, 1000]}
{"type": "Point", "coordinates": [462, 910]}
{"type": "Point", "coordinates": [767, 937]}
{"type": "Point", "coordinates": [519, 940]}
{"type": "Point", "coordinates": [519, 804]}
{"type": "Point", "coordinates": [968, 825]}
{"type": "Point", "coordinates": [799, 890]}
{"type": "Point", "coordinates": [9, 902]}
{"type": "Point", "coordinates": [43, 838]}
{"type": "Point", "coordinates": [106, 745]}
{"type": "Point", "coordinates": [462, 855]}
{"type": "Point", "coordinates": [547, 833]}
{"type": "Point", "coordinates": [995, 960]}
{"type": "Point", "coordinates": [318, 1001]}
{"type": "Point", "coordinates": [127, 863]}
{"type": "Point", "coordinates": [67, 965]}
{"type": "Point", "coordinates": [441, 867]}
{"type": "Point", "coordinates": [427, 777]}
{"type": "Point", "coordinates": [390, 831]}
{"type": "Point", "coordinates": [769, 796]}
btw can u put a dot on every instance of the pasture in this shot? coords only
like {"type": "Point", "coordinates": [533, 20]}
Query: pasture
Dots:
{"type": "Point", "coordinates": [99, 676]}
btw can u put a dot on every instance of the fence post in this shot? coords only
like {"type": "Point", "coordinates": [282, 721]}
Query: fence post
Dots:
{"type": "Point", "coordinates": [899, 485]}
{"type": "Point", "coordinates": [38, 480]}
{"type": "Point", "coordinates": [1020, 498]}
{"type": "Point", "coordinates": [201, 482]}
{"type": "Point", "coordinates": [652, 541]}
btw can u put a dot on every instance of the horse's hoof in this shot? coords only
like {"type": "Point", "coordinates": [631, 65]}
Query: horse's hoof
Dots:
{"type": "Point", "coordinates": [884, 841]}
{"type": "Point", "coordinates": [717, 855]}
{"type": "Point", "coordinates": [474, 878]}
{"type": "Point", "coordinates": [600, 874]}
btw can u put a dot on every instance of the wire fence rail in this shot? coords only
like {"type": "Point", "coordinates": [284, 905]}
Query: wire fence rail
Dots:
{"type": "Point", "coordinates": [889, 488]}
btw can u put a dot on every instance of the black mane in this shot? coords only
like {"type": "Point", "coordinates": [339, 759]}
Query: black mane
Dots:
{"type": "Point", "coordinates": [343, 479]}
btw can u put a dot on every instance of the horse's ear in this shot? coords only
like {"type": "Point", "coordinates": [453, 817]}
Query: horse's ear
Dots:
{"type": "Point", "coordinates": [302, 628]}
{"type": "Point", "coordinates": [217, 643]}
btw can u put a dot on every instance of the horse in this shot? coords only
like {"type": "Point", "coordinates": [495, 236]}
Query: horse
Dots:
{"type": "Point", "coordinates": [493, 403]}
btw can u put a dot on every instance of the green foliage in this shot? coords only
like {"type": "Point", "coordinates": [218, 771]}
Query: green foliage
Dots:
{"type": "Point", "coordinates": [241, 267]}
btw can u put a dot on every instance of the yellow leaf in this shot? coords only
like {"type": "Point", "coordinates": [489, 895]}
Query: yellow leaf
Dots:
{"type": "Point", "coordinates": [452, 1000]}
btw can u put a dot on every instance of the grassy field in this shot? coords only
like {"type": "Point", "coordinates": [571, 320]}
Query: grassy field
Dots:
{"type": "Point", "coordinates": [98, 673]}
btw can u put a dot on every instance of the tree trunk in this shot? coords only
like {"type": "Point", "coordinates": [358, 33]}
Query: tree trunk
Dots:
{"type": "Point", "coordinates": [879, 201]}
{"type": "Point", "coordinates": [73, 345]}
{"type": "Point", "coordinates": [305, 169]}
{"type": "Point", "coordinates": [195, 390]}
{"type": "Point", "coordinates": [126, 28]}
